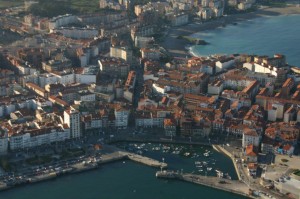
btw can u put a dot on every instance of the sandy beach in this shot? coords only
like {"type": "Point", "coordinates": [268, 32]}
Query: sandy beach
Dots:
{"type": "Point", "coordinates": [176, 47]}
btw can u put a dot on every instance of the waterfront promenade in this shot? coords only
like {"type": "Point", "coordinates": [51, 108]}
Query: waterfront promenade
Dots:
{"type": "Point", "coordinates": [75, 166]}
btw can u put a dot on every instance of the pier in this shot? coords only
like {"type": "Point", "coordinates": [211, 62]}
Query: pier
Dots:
{"type": "Point", "coordinates": [146, 161]}
{"type": "Point", "coordinates": [122, 155]}
{"type": "Point", "coordinates": [233, 186]}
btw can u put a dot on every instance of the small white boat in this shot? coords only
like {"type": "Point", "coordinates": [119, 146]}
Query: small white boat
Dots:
{"type": "Point", "coordinates": [186, 154]}
{"type": "Point", "coordinates": [206, 154]}
{"type": "Point", "coordinates": [219, 173]}
{"type": "Point", "coordinates": [209, 168]}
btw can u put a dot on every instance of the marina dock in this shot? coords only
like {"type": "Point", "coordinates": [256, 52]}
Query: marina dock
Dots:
{"type": "Point", "coordinates": [233, 186]}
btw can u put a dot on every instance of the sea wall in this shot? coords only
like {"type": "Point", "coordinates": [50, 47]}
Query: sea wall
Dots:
{"type": "Point", "coordinates": [232, 186]}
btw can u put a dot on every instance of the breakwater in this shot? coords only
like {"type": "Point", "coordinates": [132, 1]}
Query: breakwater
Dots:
{"type": "Point", "coordinates": [233, 186]}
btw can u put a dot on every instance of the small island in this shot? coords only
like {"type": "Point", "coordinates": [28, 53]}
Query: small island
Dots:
{"type": "Point", "coordinates": [192, 40]}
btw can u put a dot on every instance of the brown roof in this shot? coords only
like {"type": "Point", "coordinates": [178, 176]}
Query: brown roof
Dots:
{"type": "Point", "coordinates": [249, 150]}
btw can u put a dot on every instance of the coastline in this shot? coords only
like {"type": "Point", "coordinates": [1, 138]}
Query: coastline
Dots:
{"type": "Point", "coordinates": [238, 187]}
{"type": "Point", "coordinates": [177, 47]}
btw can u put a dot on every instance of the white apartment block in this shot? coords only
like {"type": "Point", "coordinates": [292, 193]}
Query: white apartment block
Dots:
{"type": "Point", "coordinates": [72, 119]}
{"type": "Point", "coordinates": [121, 52]}
{"type": "Point", "coordinates": [122, 117]}
{"type": "Point", "coordinates": [250, 136]}
{"type": "Point", "coordinates": [78, 33]}
{"type": "Point", "coordinates": [38, 137]}
{"type": "Point", "coordinates": [222, 65]}
{"type": "Point", "coordinates": [62, 20]}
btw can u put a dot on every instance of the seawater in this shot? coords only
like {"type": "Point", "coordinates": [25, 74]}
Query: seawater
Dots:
{"type": "Point", "coordinates": [261, 36]}
{"type": "Point", "coordinates": [129, 180]}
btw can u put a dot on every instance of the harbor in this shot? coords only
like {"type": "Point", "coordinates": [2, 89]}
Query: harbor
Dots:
{"type": "Point", "coordinates": [201, 159]}
{"type": "Point", "coordinates": [200, 165]}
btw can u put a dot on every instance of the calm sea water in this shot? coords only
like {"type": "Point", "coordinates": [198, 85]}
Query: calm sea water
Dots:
{"type": "Point", "coordinates": [129, 180]}
{"type": "Point", "coordinates": [263, 36]}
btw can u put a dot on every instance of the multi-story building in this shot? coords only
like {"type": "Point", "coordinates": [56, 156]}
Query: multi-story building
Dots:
{"type": "Point", "coordinates": [150, 53]}
{"type": "Point", "coordinates": [92, 122]}
{"type": "Point", "coordinates": [142, 31]}
{"type": "Point", "coordinates": [178, 19]}
{"type": "Point", "coordinates": [54, 89]}
{"type": "Point", "coordinates": [22, 136]}
{"type": "Point", "coordinates": [111, 4]}
{"type": "Point", "coordinates": [86, 96]}
{"type": "Point", "coordinates": [77, 33]}
{"type": "Point", "coordinates": [34, 56]}
{"type": "Point", "coordinates": [250, 136]}
{"type": "Point", "coordinates": [58, 64]}
{"type": "Point", "coordinates": [182, 83]}
{"type": "Point", "coordinates": [37, 137]}
{"type": "Point", "coordinates": [122, 117]}
{"type": "Point", "coordinates": [72, 119]}
{"type": "Point", "coordinates": [62, 20]}
{"type": "Point", "coordinates": [170, 127]}
{"type": "Point", "coordinates": [6, 77]}
{"type": "Point", "coordinates": [215, 87]}
{"type": "Point", "coordinates": [283, 133]}
{"type": "Point", "coordinates": [143, 42]}
{"type": "Point", "coordinates": [114, 67]}
{"type": "Point", "coordinates": [224, 64]}
{"type": "Point", "coordinates": [121, 52]}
